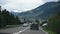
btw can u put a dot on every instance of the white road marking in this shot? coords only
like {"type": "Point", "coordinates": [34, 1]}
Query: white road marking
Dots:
{"type": "Point", "coordinates": [43, 31]}
{"type": "Point", "coordinates": [21, 31]}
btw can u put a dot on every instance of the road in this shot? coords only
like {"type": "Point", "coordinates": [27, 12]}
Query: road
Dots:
{"type": "Point", "coordinates": [28, 31]}
{"type": "Point", "coordinates": [21, 30]}
{"type": "Point", "coordinates": [12, 30]}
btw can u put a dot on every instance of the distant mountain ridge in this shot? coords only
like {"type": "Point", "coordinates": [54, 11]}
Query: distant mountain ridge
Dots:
{"type": "Point", "coordinates": [15, 13]}
{"type": "Point", "coordinates": [42, 12]}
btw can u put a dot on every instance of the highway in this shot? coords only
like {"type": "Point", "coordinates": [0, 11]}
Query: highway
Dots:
{"type": "Point", "coordinates": [22, 30]}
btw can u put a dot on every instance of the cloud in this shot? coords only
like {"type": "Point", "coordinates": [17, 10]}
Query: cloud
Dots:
{"type": "Point", "coordinates": [50, 0]}
{"type": "Point", "coordinates": [20, 4]}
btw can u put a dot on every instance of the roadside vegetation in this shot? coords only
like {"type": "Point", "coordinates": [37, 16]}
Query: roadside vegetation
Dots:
{"type": "Point", "coordinates": [54, 23]}
{"type": "Point", "coordinates": [7, 18]}
{"type": "Point", "coordinates": [53, 26]}
{"type": "Point", "coordinates": [48, 30]}
{"type": "Point", "coordinates": [9, 26]}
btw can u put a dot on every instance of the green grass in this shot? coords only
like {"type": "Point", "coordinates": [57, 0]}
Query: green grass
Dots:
{"type": "Point", "coordinates": [12, 26]}
{"type": "Point", "coordinates": [49, 31]}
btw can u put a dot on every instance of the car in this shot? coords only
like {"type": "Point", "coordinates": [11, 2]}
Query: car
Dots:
{"type": "Point", "coordinates": [34, 27]}
{"type": "Point", "coordinates": [25, 25]}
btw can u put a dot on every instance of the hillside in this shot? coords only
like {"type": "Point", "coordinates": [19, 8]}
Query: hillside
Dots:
{"type": "Point", "coordinates": [42, 12]}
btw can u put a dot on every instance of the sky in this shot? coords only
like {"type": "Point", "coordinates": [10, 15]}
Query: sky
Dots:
{"type": "Point", "coordinates": [22, 5]}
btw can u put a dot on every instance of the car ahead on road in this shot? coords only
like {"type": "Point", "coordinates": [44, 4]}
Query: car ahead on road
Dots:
{"type": "Point", "coordinates": [25, 24]}
{"type": "Point", "coordinates": [34, 27]}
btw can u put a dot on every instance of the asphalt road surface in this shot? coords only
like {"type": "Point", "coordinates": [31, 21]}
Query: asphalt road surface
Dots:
{"type": "Point", "coordinates": [28, 31]}
{"type": "Point", "coordinates": [21, 30]}
{"type": "Point", "coordinates": [11, 30]}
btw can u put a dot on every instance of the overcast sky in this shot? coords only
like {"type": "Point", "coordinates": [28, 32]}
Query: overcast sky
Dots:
{"type": "Point", "coordinates": [22, 5]}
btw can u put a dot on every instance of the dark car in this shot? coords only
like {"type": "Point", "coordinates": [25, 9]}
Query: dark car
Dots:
{"type": "Point", "coordinates": [34, 27]}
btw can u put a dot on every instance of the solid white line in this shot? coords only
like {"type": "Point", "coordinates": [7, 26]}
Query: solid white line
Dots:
{"type": "Point", "coordinates": [20, 31]}
{"type": "Point", "coordinates": [43, 31]}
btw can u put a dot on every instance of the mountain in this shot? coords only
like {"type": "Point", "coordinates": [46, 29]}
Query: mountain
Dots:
{"type": "Point", "coordinates": [15, 13]}
{"type": "Point", "coordinates": [42, 12]}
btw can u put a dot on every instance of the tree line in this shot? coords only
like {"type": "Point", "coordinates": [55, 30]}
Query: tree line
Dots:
{"type": "Point", "coordinates": [54, 23]}
{"type": "Point", "coordinates": [7, 18]}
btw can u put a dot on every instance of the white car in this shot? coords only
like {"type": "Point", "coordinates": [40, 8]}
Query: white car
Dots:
{"type": "Point", "coordinates": [25, 25]}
